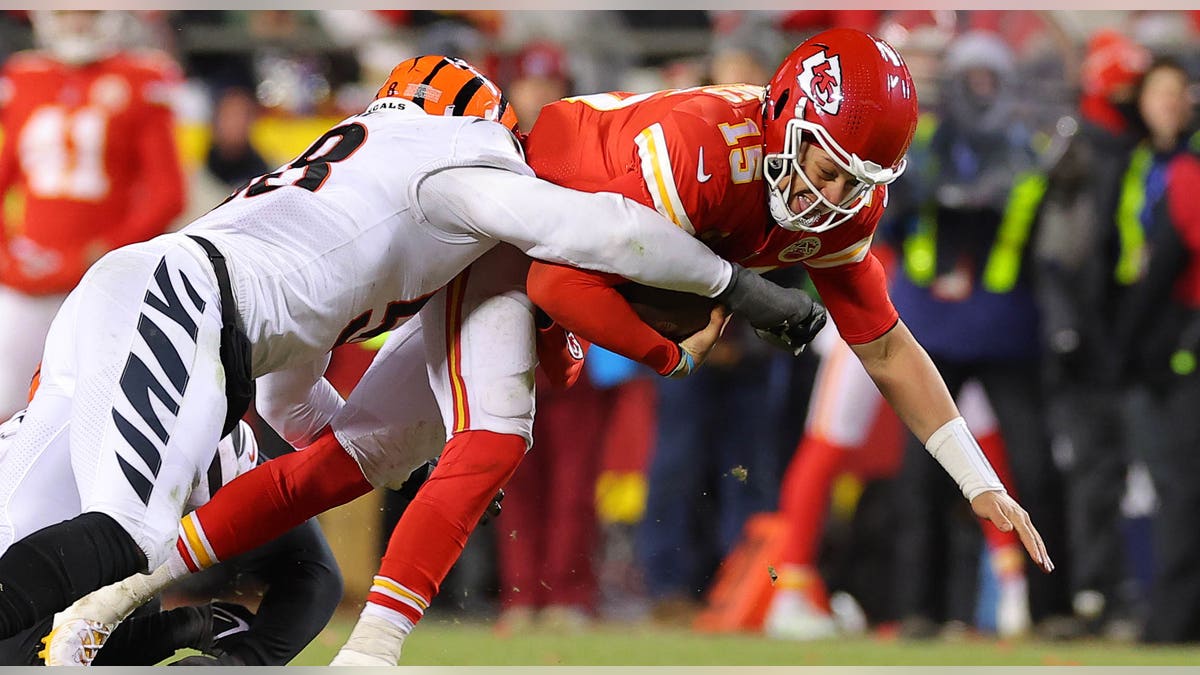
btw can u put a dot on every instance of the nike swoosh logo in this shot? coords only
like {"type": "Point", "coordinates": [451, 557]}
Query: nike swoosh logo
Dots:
{"type": "Point", "coordinates": [700, 175]}
{"type": "Point", "coordinates": [239, 624]}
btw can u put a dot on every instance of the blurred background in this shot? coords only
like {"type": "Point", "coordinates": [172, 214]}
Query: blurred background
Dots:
{"type": "Point", "coordinates": [765, 494]}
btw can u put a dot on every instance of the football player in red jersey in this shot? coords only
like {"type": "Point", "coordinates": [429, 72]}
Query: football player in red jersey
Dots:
{"type": "Point", "coordinates": [823, 141]}
{"type": "Point", "coordinates": [89, 144]}
{"type": "Point", "coordinates": [795, 174]}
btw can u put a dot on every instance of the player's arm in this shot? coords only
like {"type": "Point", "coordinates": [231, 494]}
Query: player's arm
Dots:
{"type": "Point", "coordinates": [853, 286]}
{"type": "Point", "coordinates": [587, 304]}
{"type": "Point", "coordinates": [298, 403]}
{"type": "Point", "coordinates": [603, 232]}
{"type": "Point", "coordinates": [159, 195]}
{"type": "Point", "coordinates": [304, 587]}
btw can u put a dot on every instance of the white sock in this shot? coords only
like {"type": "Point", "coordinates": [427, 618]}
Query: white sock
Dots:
{"type": "Point", "coordinates": [379, 634]}
{"type": "Point", "coordinates": [401, 622]}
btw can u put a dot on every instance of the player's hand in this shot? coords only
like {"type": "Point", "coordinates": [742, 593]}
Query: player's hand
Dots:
{"type": "Point", "coordinates": [701, 343]}
{"type": "Point", "coordinates": [795, 337]}
{"type": "Point", "coordinates": [786, 317]}
{"type": "Point", "coordinates": [1006, 514]}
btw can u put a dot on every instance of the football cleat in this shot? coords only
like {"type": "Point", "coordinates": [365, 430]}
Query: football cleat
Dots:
{"type": "Point", "coordinates": [349, 657]}
{"type": "Point", "coordinates": [792, 617]}
{"type": "Point", "coordinates": [373, 642]}
{"type": "Point", "coordinates": [81, 630]}
{"type": "Point", "coordinates": [75, 642]}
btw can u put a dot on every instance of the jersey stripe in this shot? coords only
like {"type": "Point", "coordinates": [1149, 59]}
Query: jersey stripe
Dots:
{"type": "Point", "coordinates": [389, 588]}
{"type": "Point", "coordinates": [660, 179]}
{"type": "Point", "coordinates": [851, 254]}
{"type": "Point", "coordinates": [458, 387]}
{"type": "Point", "coordinates": [186, 555]}
{"type": "Point", "coordinates": [193, 536]}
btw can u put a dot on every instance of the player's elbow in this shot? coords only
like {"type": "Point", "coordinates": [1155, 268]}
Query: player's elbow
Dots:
{"type": "Point", "coordinates": [541, 283]}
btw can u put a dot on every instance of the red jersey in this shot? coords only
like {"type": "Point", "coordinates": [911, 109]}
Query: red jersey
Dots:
{"type": "Point", "coordinates": [92, 151]}
{"type": "Point", "coordinates": [695, 156]}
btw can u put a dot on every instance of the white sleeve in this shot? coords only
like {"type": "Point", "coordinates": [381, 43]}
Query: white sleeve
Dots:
{"type": "Point", "coordinates": [597, 231]}
{"type": "Point", "coordinates": [298, 403]}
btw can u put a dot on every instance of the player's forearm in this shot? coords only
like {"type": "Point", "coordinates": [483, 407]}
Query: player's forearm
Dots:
{"type": "Point", "coordinates": [582, 303]}
{"type": "Point", "coordinates": [602, 232]}
{"type": "Point", "coordinates": [910, 382]}
{"type": "Point", "coordinates": [298, 403]}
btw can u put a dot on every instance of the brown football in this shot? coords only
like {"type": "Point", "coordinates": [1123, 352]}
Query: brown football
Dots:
{"type": "Point", "coordinates": [675, 315]}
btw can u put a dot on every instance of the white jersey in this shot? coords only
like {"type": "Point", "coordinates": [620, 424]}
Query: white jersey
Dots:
{"type": "Point", "coordinates": [332, 247]}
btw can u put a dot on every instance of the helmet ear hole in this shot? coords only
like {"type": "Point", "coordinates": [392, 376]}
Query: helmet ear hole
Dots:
{"type": "Point", "coordinates": [781, 104]}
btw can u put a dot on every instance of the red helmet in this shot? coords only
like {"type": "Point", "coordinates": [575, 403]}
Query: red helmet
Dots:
{"type": "Point", "coordinates": [441, 85]}
{"type": "Point", "coordinates": [851, 93]}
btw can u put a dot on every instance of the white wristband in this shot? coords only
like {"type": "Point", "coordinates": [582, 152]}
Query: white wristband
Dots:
{"type": "Point", "coordinates": [959, 453]}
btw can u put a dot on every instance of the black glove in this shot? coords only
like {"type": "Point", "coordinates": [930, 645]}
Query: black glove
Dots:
{"type": "Point", "coordinates": [795, 338]}
{"type": "Point", "coordinates": [421, 474]}
{"type": "Point", "coordinates": [786, 317]}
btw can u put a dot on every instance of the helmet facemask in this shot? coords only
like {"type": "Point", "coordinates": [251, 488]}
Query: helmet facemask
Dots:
{"type": "Point", "coordinates": [821, 215]}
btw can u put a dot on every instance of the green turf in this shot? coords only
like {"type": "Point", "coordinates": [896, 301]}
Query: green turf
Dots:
{"type": "Point", "coordinates": [449, 644]}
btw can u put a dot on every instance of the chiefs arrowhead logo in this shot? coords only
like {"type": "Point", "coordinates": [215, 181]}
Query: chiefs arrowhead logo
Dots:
{"type": "Point", "coordinates": [821, 81]}
{"type": "Point", "coordinates": [805, 248]}
{"type": "Point", "coordinates": [573, 347]}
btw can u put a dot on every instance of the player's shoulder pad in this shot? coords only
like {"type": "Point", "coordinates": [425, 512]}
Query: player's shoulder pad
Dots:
{"type": "Point", "coordinates": [493, 143]}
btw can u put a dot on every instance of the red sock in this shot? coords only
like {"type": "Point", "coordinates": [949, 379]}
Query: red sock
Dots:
{"type": "Point", "coordinates": [281, 494]}
{"type": "Point", "coordinates": [993, 448]}
{"type": "Point", "coordinates": [433, 530]}
{"type": "Point", "coordinates": [804, 499]}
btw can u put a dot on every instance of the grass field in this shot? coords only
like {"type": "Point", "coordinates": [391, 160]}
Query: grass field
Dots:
{"type": "Point", "coordinates": [453, 644]}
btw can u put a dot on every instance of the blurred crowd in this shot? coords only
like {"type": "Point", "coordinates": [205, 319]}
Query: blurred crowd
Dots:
{"type": "Point", "coordinates": [1039, 247]}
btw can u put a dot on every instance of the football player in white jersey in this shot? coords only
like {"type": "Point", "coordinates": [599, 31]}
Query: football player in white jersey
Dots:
{"type": "Point", "coordinates": [153, 355]}
{"type": "Point", "coordinates": [301, 577]}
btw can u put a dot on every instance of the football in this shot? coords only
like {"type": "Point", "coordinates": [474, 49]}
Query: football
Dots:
{"type": "Point", "coordinates": [674, 314]}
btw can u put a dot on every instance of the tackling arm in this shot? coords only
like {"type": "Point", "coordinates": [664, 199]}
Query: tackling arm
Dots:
{"type": "Point", "coordinates": [298, 403]}
{"type": "Point", "coordinates": [602, 231]}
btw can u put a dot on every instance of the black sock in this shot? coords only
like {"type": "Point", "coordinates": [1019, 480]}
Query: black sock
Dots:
{"type": "Point", "coordinates": [55, 566]}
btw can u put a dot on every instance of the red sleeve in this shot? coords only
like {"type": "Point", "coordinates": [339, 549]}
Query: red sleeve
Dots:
{"type": "Point", "coordinates": [585, 303]}
{"type": "Point", "coordinates": [160, 194]}
{"type": "Point", "coordinates": [560, 354]}
{"type": "Point", "coordinates": [1184, 176]}
{"type": "Point", "coordinates": [857, 299]}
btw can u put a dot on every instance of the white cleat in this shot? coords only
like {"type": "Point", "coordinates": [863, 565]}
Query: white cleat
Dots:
{"type": "Point", "coordinates": [791, 617]}
{"type": "Point", "coordinates": [373, 642]}
{"type": "Point", "coordinates": [75, 642]}
{"type": "Point", "coordinates": [349, 657]}
{"type": "Point", "coordinates": [81, 630]}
